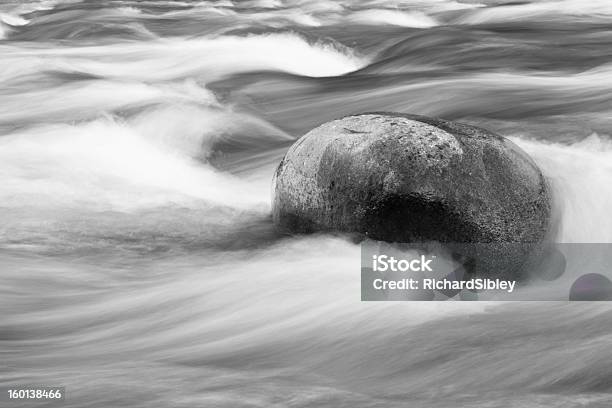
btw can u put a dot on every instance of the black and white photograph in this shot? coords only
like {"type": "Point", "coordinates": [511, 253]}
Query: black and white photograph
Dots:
{"type": "Point", "coordinates": [306, 203]}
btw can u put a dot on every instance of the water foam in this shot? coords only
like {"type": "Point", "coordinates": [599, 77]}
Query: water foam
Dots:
{"type": "Point", "coordinates": [176, 58]}
{"type": "Point", "coordinates": [413, 19]}
{"type": "Point", "coordinates": [7, 21]}
{"type": "Point", "coordinates": [154, 159]}
{"type": "Point", "coordinates": [580, 175]}
{"type": "Point", "coordinates": [539, 10]}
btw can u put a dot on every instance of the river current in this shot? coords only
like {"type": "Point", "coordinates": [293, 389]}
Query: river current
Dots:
{"type": "Point", "coordinates": [139, 265]}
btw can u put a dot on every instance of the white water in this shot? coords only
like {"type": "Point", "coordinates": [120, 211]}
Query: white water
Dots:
{"type": "Point", "coordinates": [139, 264]}
{"type": "Point", "coordinates": [580, 175]}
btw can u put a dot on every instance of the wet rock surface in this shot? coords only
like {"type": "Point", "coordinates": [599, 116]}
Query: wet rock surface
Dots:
{"type": "Point", "coordinates": [405, 178]}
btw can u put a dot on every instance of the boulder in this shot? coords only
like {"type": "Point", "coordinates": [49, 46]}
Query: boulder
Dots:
{"type": "Point", "coordinates": [406, 178]}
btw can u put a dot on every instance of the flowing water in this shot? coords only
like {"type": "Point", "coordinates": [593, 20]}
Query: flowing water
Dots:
{"type": "Point", "coordinates": [139, 266]}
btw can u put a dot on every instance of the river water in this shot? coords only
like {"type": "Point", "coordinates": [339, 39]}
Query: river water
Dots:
{"type": "Point", "coordinates": [138, 263]}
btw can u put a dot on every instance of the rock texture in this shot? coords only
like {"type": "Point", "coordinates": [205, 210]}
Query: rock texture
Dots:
{"type": "Point", "coordinates": [405, 178]}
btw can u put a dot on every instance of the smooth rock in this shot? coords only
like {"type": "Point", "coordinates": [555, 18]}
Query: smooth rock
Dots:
{"type": "Point", "coordinates": [405, 178]}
